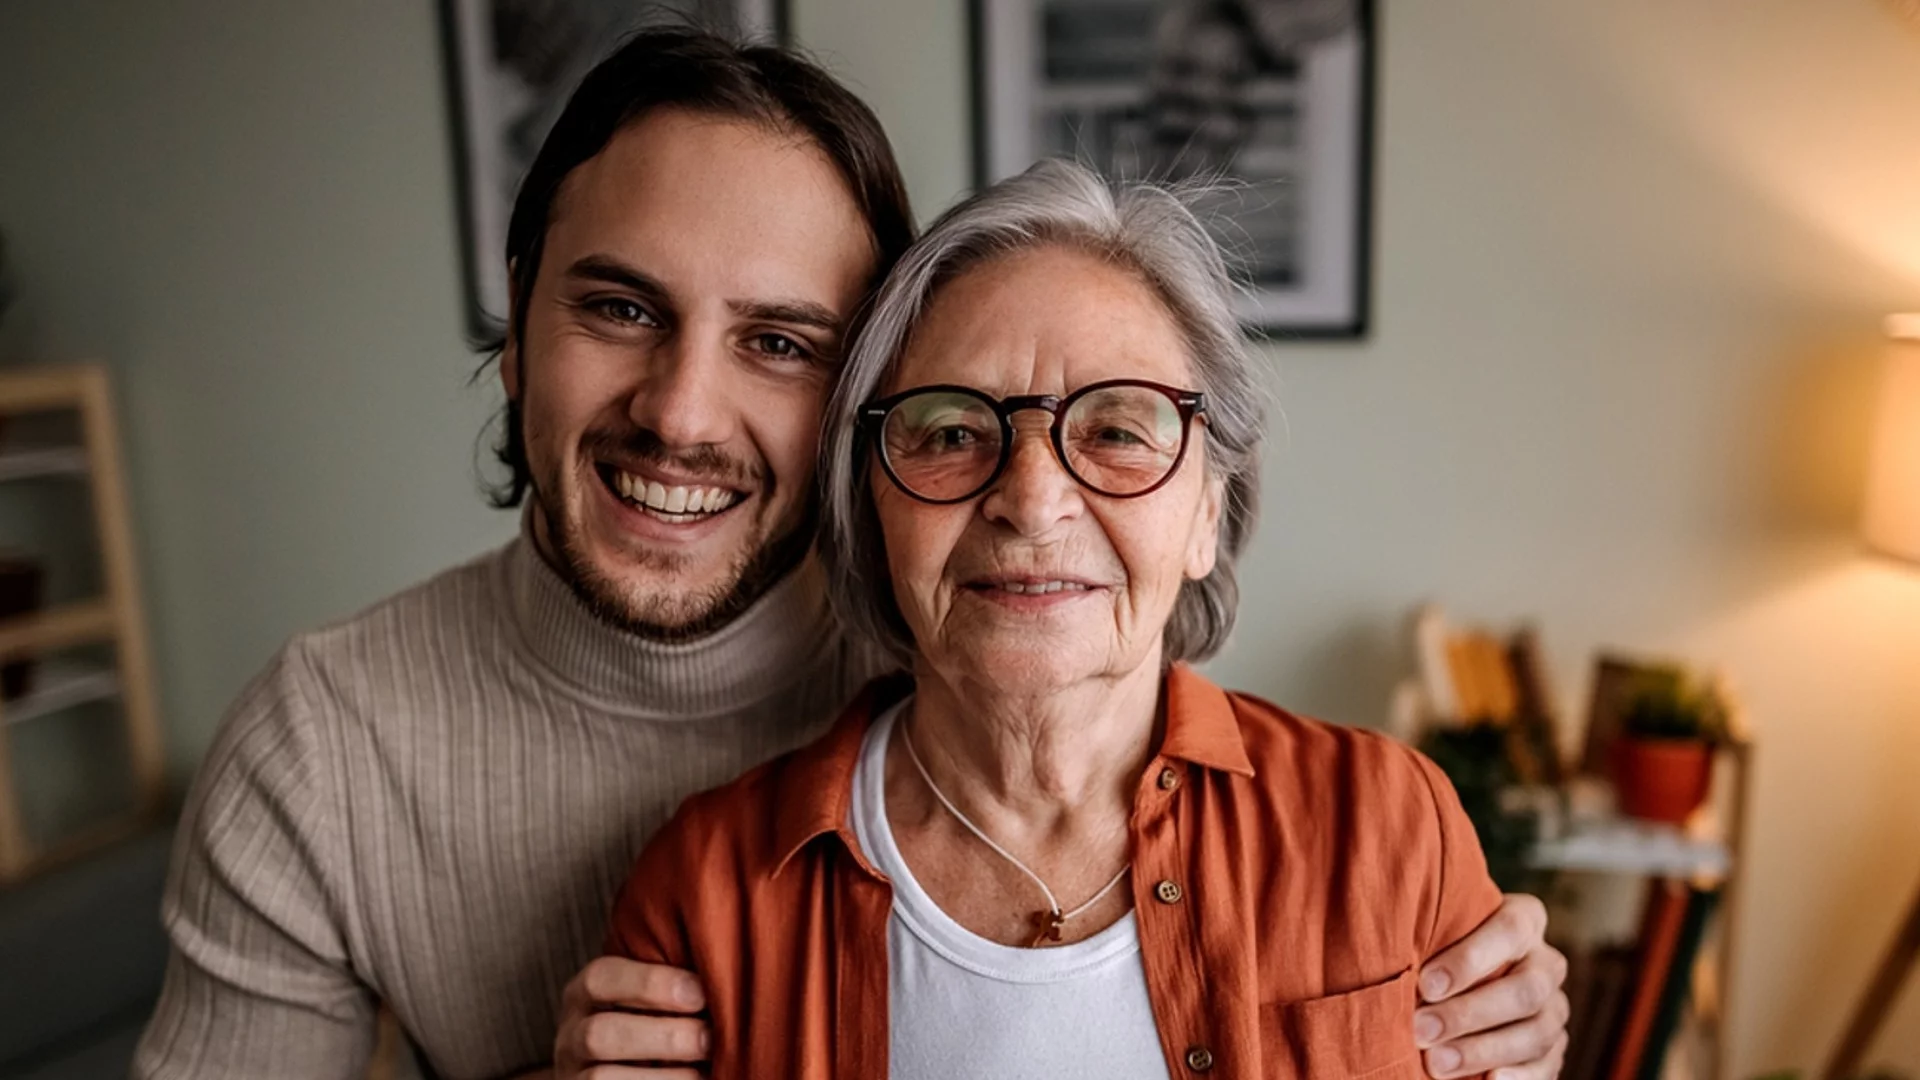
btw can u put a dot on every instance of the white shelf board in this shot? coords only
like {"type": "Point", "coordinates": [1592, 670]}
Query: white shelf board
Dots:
{"type": "Point", "coordinates": [25, 464]}
{"type": "Point", "coordinates": [58, 686]}
{"type": "Point", "coordinates": [1624, 846]}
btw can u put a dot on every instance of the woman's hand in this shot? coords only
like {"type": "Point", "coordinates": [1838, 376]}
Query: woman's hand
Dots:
{"type": "Point", "coordinates": [1495, 1001]}
{"type": "Point", "coordinates": [599, 1039]}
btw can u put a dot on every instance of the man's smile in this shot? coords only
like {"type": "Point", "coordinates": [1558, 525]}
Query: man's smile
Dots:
{"type": "Point", "coordinates": [675, 504]}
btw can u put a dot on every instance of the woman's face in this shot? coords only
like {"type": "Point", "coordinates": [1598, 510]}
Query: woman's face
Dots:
{"type": "Point", "coordinates": [1037, 582]}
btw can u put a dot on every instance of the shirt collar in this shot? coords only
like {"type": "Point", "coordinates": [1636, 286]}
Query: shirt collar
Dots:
{"type": "Point", "coordinates": [816, 790]}
{"type": "Point", "coordinates": [1201, 725]}
{"type": "Point", "coordinates": [815, 796]}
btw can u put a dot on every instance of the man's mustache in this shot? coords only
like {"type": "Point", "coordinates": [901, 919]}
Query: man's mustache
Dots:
{"type": "Point", "coordinates": [640, 446]}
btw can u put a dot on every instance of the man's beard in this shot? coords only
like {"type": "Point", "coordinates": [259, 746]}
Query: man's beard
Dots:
{"type": "Point", "coordinates": [694, 615]}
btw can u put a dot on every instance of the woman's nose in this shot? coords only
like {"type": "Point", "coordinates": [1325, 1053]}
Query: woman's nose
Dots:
{"type": "Point", "coordinates": [1035, 492]}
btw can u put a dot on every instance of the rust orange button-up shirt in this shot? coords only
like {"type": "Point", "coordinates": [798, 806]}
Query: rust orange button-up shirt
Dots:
{"type": "Point", "coordinates": [1289, 877]}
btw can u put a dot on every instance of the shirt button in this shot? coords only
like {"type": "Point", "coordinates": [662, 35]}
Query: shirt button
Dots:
{"type": "Point", "coordinates": [1169, 779]}
{"type": "Point", "coordinates": [1168, 892]}
{"type": "Point", "coordinates": [1199, 1058]}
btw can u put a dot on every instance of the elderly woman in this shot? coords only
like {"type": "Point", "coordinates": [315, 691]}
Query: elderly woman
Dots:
{"type": "Point", "coordinates": [1055, 850]}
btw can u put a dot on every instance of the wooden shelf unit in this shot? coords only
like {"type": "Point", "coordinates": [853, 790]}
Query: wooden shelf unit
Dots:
{"type": "Point", "coordinates": [1660, 853]}
{"type": "Point", "coordinates": [114, 619]}
{"type": "Point", "coordinates": [32, 463]}
{"type": "Point", "coordinates": [90, 622]}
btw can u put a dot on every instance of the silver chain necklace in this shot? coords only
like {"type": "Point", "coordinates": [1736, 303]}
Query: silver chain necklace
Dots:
{"type": "Point", "coordinates": [1047, 924]}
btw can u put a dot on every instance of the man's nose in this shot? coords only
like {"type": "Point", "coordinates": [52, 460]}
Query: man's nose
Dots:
{"type": "Point", "coordinates": [686, 396]}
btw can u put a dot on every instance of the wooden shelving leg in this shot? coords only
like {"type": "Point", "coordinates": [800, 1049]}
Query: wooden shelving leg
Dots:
{"type": "Point", "coordinates": [16, 853]}
{"type": "Point", "coordinates": [123, 593]}
{"type": "Point", "coordinates": [1732, 899]}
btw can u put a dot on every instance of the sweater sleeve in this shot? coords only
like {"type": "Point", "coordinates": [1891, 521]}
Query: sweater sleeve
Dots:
{"type": "Point", "coordinates": [259, 982]}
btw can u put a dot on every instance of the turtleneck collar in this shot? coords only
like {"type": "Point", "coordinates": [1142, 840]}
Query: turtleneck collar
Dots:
{"type": "Point", "coordinates": [781, 638]}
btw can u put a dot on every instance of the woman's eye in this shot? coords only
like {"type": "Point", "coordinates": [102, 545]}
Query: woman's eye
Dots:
{"type": "Point", "coordinates": [1119, 437]}
{"type": "Point", "coordinates": [952, 437]}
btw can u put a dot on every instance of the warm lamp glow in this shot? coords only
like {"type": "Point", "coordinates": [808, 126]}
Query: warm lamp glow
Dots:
{"type": "Point", "coordinates": [1893, 488]}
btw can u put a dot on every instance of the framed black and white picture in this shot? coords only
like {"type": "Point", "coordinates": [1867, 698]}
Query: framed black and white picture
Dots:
{"type": "Point", "coordinates": [513, 64]}
{"type": "Point", "coordinates": [1274, 97]}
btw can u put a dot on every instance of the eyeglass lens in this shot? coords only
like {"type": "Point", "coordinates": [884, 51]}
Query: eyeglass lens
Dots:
{"type": "Point", "coordinates": [1117, 440]}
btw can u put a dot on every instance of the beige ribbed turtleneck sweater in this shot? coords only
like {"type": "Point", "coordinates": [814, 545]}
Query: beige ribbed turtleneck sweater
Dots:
{"type": "Point", "coordinates": [433, 803]}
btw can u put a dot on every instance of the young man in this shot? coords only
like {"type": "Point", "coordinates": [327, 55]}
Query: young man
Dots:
{"type": "Point", "coordinates": [432, 804]}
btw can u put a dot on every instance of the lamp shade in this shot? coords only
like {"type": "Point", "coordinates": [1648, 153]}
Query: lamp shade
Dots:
{"type": "Point", "coordinates": [1892, 521]}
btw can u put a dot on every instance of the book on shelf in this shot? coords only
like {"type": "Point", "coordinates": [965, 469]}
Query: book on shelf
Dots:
{"type": "Point", "coordinates": [1536, 732]}
{"type": "Point", "coordinates": [1667, 903]}
{"type": "Point", "coordinates": [1592, 1030]}
{"type": "Point", "coordinates": [1701, 904]}
{"type": "Point", "coordinates": [1578, 986]}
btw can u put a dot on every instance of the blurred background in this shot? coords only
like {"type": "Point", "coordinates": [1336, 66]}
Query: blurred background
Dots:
{"type": "Point", "coordinates": [1628, 272]}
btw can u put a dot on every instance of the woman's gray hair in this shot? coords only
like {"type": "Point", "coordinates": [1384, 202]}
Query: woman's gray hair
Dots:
{"type": "Point", "coordinates": [1148, 229]}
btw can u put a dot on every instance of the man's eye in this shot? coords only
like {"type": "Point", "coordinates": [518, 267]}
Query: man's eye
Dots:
{"type": "Point", "coordinates": [779, 345]}
{"type": "Point", "coordinates": [620, 310]}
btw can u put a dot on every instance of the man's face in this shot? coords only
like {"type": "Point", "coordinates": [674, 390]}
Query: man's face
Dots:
{"type": "Point", "coordinates": [679, 343]}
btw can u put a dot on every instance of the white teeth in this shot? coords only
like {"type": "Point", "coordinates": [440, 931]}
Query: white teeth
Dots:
{"type": "Point", "coordinates": [1043, 587]}
{"type": "Point", "coordinates": [673, 500]}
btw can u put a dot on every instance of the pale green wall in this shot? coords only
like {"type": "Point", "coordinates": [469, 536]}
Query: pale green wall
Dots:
{"type": "Point", "coordinates": [245, 208]}
{"type": "Point", "coordinates": [1629, 260]}
{"type": "Point", "coordinates": [909, 61]}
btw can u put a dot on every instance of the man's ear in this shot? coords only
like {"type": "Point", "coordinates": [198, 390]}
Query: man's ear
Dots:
{"type": "Point", "coordinates": [510, 352]}
{"type": "Point", "coordinates": [510, 367]}
{"type": "Point", "coordinates": [1204, 548]}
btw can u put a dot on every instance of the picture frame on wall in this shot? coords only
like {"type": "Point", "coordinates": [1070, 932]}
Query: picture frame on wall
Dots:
{"type": "Point", "coordinates": [1274, 98]}
{"type": "Point", "coordinates": [511, 66]}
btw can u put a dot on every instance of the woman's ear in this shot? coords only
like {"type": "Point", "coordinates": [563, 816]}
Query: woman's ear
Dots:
{"type": "Point", "coordinates": [1203, 548]}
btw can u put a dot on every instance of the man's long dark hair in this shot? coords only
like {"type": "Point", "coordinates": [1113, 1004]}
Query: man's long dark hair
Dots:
{"type": "Point", "coordinates": [704, 72]}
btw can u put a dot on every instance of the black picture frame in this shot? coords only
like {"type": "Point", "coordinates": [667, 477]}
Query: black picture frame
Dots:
{"type": "Point", "coordinates": [1091, 79]}
{"type": "Point", "coordinates": [504, 99]}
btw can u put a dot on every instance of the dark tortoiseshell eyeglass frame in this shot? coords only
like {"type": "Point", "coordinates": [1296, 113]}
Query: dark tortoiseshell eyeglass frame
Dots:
{"type": "Point", "coordinates": [873, 419]}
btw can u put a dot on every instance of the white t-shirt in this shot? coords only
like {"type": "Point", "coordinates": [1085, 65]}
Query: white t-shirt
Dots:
{"type": "Point", "coordinates": [964, 1007]}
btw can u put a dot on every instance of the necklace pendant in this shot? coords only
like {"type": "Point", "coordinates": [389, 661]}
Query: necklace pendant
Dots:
{"type": "Point", "coordinates": [1047, 926]}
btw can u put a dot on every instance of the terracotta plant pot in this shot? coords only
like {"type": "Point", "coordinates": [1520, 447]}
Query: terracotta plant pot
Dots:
{"type": "Point", "coordinates": [1662, 779]}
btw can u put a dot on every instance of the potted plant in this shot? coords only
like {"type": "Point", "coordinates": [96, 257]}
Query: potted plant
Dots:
{"type": "Point", "coordinates": [1478, 761]}
{"type": "Point", "coordinates": [1663, 760]}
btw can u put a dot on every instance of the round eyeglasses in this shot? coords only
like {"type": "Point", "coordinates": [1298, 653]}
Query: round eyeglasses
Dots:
{"type": "Point", "coordinates": [1121, 438]}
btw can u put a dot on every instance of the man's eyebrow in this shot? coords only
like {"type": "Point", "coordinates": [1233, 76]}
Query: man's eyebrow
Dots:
{"type": "Point", "coordinates": [792, 312]}
{"type": "Point", "coordinates": [614, 272]}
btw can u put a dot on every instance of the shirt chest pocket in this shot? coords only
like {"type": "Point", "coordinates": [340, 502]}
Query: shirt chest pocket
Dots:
{"type": "Point", "coordinates": [1362, 1033]}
